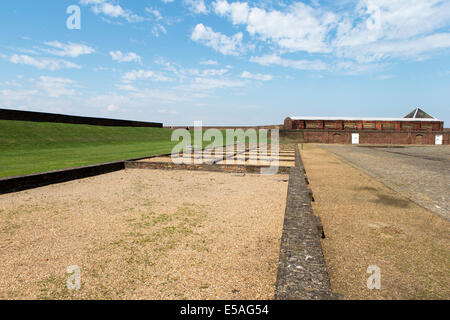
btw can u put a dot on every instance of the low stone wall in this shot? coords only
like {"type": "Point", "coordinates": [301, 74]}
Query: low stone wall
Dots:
{"type": "Point", "coordinates": [25, 182]}
{"type": "Point", "coordinates": [20, 183]}
{"type": "Point", "coordinates": [232, 168]}
{"type": "Point", "coordinates": [292, 136]}
{"type": "Point", "coordinates": [18, 115]}
{"type": "Point", "coordinates": [302, 273]}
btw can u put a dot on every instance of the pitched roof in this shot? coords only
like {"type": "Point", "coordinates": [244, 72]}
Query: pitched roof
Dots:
{"type": "Point", "coordinates": [363, 119]}
{"type": "Point", "coordinates": [418, 113]}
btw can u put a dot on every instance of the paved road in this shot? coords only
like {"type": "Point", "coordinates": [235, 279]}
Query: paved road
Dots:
{"type": "Point", "coordinates": [421, 173]}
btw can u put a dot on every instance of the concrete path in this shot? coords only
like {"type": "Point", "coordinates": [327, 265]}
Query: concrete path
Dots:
{"type": "Point", "coordinates": [420, 173]}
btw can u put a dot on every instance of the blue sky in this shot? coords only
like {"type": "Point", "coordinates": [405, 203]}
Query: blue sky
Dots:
{"type": "Point", "coordinates": [226, 62]}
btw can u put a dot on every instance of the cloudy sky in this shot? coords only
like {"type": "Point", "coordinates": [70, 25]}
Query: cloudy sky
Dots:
{"type": "Point", "coordinates": [226, 62]}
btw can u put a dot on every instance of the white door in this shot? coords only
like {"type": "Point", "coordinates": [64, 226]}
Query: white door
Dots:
{"type": "Point", "coordinates": [438, 139]}
{"type": "Point", "coordinates": [355, 138]}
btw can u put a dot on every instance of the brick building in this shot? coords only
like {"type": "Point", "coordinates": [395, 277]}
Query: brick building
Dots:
{"type": "Point", "coordinates": [417, 127]}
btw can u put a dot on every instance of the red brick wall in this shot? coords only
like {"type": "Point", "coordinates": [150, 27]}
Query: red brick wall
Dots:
{"type": "Point", "coordinates": [315, 136]}
{"type": "Point", "coordinates": [365, 136]}
{"type": "Point", "coordinates": [290, 124]}
{"type": "Point", "coordinates": [384, 138]}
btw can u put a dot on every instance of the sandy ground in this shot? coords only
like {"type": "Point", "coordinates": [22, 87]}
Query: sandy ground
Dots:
{"type": "Point", "coordinates": [366, 224]}
{"type": "Point", "coordinates": [144, 234]}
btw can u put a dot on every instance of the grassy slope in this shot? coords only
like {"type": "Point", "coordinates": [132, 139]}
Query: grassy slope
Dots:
{"type": "Point", "coordinates": [30, 147]}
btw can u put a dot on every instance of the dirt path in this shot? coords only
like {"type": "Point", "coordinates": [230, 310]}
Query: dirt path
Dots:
{"type": "Point", "coordinates": [368, 224]}
{"type": "Point", "coordinates": [144, 234]}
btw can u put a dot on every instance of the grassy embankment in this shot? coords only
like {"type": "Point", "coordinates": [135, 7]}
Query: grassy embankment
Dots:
{"type": "Point", "coordinates": [32, 147]}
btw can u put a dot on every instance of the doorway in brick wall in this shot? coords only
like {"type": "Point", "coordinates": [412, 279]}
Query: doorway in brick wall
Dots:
{"type": "Point", "coordinates": [419, 139]}
{"type": "Point", "coordinates": [338, 138]}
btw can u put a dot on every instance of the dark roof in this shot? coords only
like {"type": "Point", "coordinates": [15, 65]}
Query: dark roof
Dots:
{"type": "Point", "coordinates": [418, 113]}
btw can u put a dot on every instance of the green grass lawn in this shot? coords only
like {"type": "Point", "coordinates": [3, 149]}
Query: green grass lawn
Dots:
{"type": "Point", "coordinates": [31, 147]}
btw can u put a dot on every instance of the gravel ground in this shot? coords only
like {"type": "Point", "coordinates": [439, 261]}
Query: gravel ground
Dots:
{"type": "Point", "coordinates": [144, 234]}
{"type": "Point", "coordinates": [421, 174]}
{"type": "Point", "coordinates": [366, 223]}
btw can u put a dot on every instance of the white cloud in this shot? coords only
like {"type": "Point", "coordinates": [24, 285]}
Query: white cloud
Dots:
{"type": "Point", "coordinates": [218, 41]}
{"type": "Point", "coordinates": [157, 29]}
{"type": "Point", "coordinates": [166, 111]}
{"type": "Point", "coordinates": [171, 67]}
{"type": "Point", "coordinates": [393, 29]}
{"type": "Point", "coordinates": [208, 72]}
{"type": "Point", "coordinates": [238, 11]}
{"type": "Point", "coordinates": [298, 28]}
{"type": "Point", "coordinates": [209, 62]}
{"type": "Point", "coordinates": [155, 13]}
{"type": "Point", "coordinates": [144, 74]}
{"type": "Point", "coordinates": [126, 87]}
{"type": "Point", "coordinates": [366, 31]}
{"type": "Point", "coordinates": [143, 98]}
{"type": "Point", "coordinates": [112, 108]}
{"type": "Point", "coordinates": [349, 67]}
{"type": "Point", "coordinates": [296, 64]}
{"type": "Point", "coordinates": [212, 83]}
{"type": "Point", "coordinates": [68, 49]}
{"type": "Point", "coordinates": [412, 48]}
{"type": "Point", "coordinates": [256, 76]}
{"type": "Point", "coordinates": [43, 87]}
{"type": "Point", "coordinates": [392, 20]}
{"type": "Point", "coordinates": [16, 96]}
{"type": "Point", "coordinates": [48, 64]}
{"type": "Point", "coordinates": [125, 57]}
{"type": "Point", "coordinates": [12, 83]}
{"type": "Point", "coordinates": [111, 10]}
{"type": "Point", "coordinates": [56, 87]}
{"type": "Point", "coordinates": [196, 6]}
{"type": "Point", "coordinates": [385, 77]}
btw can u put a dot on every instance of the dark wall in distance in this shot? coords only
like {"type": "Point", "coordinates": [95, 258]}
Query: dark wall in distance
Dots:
{"type": "Point", "coordinates": [19, 115]}
{"type": "Point", "coordinates": [268, 127]}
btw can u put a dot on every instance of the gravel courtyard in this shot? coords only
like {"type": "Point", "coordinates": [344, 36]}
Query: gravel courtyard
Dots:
{"type": "Point", "coordinates": [421, 174]}
{"type": "Point", "coordinates": [144, 234]}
